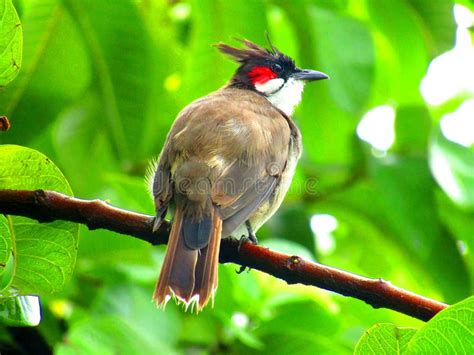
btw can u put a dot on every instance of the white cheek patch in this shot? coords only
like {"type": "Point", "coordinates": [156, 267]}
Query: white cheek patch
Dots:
{"type": "Point", "coordinates": [288, 96]}
{"type": "Point", "coordinates": [270, 86]}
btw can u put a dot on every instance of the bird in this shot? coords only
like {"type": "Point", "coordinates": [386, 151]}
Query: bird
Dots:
{"type": "Point", "coordinates": [225, 167]}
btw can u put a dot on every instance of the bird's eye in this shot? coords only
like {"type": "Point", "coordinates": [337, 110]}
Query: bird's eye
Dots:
{"type": "Point", "coordinates": [277, 68]}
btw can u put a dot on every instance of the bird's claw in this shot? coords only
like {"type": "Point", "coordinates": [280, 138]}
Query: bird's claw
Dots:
{"type": "Point", "coordinates": [242, 269]}
{"type": "Point", "coordinates": [156, 222]}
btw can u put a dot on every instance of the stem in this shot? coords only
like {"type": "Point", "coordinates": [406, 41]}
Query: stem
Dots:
{"type": "Point", "coordinates": [47, 206]}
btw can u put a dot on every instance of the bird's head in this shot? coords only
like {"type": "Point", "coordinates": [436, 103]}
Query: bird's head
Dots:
{"type": "Point", "coordinates": [270, 73]}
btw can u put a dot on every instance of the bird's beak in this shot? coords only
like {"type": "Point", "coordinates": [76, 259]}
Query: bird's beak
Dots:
{"type": "Point", "coordinates": [309, 75]}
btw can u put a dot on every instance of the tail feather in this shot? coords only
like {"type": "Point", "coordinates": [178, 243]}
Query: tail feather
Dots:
{"type": "Point", "coordinates": [206, 268]}
{"type": "Point", "coordinates": [182, 277]}
{"type": "Point", "coordinates": [170, 271]}
{"type": "Point", "coordinates": [189, 274]}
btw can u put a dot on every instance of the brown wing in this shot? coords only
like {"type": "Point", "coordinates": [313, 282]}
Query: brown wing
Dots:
{"type": "Point", "coordinates": [242, 142]}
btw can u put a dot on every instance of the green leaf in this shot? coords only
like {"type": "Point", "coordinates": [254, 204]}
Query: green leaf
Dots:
{"type": "Point", "coordinates": [412, 129]}
{"type": "Point", "coordinates": [461, 224]}
{"type": "Point", "coordinates": [383, 339]}
{"type": "Point", "coordinates": [20, 311]}
{"type": "Point", "coordinates": [449, 332]}
{"type": "Point", "coordinates": [438, 21]}
{"type": "Point", "coordinates": [6, 253]}
{"type": "Point", "coordinates": [125, 321]}
{"type": "Point", "coordinates": [402, 52]}
{"type": "Point", "coordinates": [123, 70]}
{"type": "Point", "coordinates": [44, 254]}
{"type": "Point", "coordinates": [134, 305]}
{"type": "Point", "coordinates": [51, 76]}
{"type": "Point", "coordinates": [78, 134]}
{"type": "Point", "coordinates": [11, 42]}
{"type": "Point", "coordinates": [405, 194]}
{"type": "Point", "coordinates": [38, 22]}
{"type": "Point", "coordinates": [347, 55]}
{"type": "Point", "coordinates": [299, 326]}
{"type": "Point", "coordinates": [106, 335]}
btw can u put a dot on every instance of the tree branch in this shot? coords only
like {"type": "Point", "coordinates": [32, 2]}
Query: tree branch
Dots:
{"type": "Point", "coordinates": [47, 206]}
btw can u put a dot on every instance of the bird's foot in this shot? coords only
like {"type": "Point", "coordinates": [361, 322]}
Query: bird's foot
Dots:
{"type": "Point", "coordinates": [251, 238]}
{"type": "Point", "coordinates": [247, 239]}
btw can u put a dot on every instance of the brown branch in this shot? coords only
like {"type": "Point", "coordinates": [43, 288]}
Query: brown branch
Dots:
{"type": "Point", "coordinates": [47, 206]}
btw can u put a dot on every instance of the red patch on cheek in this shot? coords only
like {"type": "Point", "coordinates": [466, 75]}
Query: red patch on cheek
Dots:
{"type": "Point", "coordinates": [260, 75]}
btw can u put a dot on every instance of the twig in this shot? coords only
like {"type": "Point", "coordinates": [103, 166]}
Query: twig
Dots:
{"type": "Point", "coordinates": [47, 206]}
{"type": "Point", "coordinates": [4, 123]}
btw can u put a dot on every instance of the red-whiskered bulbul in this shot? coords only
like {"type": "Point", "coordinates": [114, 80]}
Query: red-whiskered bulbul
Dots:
{"type": "Point", "coordinates": [226, 166]}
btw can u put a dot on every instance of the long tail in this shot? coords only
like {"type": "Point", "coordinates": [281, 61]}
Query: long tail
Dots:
{"type": "Point", "coordinates": [190, 273]}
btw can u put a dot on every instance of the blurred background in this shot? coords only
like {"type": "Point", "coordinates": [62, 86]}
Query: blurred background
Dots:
{"type": "Point", "coordinates": [385, 187]}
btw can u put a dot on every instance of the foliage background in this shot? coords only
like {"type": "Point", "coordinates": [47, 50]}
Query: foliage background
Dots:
{"type": "Point", "coordinates": [100, 85]}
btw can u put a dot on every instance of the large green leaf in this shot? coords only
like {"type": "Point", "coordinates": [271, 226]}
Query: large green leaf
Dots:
{"type": "Point", "coordinates": [106, 335]}
{"type": "Point", "coordinates": [43, 254]}
{"type": "Point", "coordinates": [347, 54]}
{"type": "Point", "coordinates": [11, 42]}
{"type": "Point", "coordinates": [402, 52]}
{"type": "Point", "coordinates": [120, 52]}
{"type": "Point", "coordinates": [38, 21]}
{"type": "Point", "coordinates": [412, 129]}
{"type": "Point", "coordinates": [461, 224]}
{"type": "Point", "coordinates": [449, 332]}
{"type": "Point", "coordinates": [78, 134]}
{"type": "Point", "coordinates": [438, 22]}
{"type": "Point", "coordinates": [299, 326]}
{"type": "Point", "coordinates": [51, 77]}
{"type": "Point", "coordinates": [384, 339]}
{"type": "Point", "coordinates": [125, 321]}
{"type": "Point", "coordinates": [406, 193]}
{"type": "Point", "coordinates": [6, 260]}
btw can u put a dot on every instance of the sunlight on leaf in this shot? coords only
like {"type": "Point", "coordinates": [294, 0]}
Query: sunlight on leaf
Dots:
{"type": "Point", "coordinates": [452, 166]}
{"type": "Point", "coordinates": [20, 311]}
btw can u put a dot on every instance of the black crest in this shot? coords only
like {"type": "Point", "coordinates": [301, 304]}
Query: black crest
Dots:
{"type": "Point", "coordinates": [251, 55]}
{"type": "Point", "coordinates": [253, 52]}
